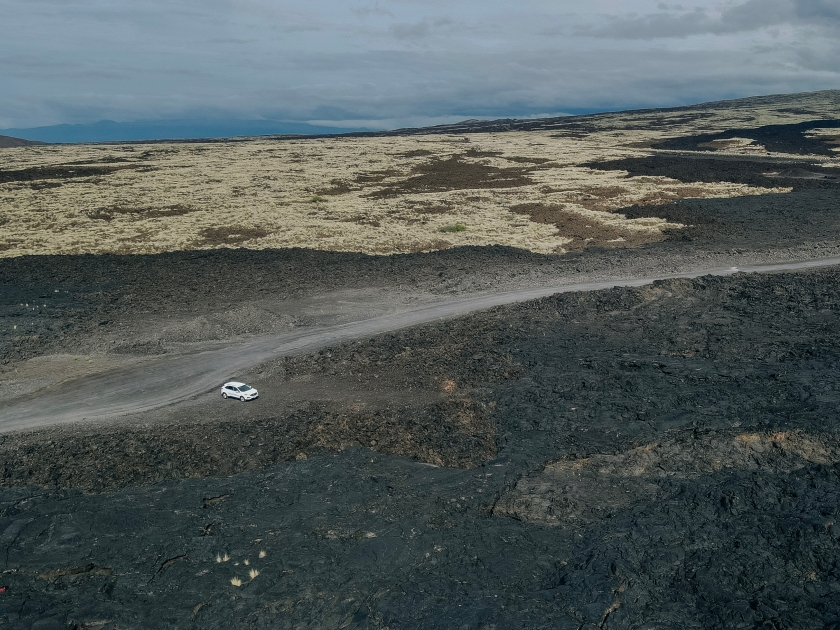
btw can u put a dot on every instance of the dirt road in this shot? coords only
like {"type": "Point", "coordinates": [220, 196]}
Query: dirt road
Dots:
{"type": "Point", "coordinates": [167, 380]}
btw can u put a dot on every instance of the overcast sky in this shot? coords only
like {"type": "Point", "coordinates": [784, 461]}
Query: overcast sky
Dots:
{"type": "Point", "coordinates": [391, 63]}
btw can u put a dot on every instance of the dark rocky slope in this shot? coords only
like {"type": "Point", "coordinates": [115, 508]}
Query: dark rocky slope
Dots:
{"type": "Point", "coordinates": [665, 455]}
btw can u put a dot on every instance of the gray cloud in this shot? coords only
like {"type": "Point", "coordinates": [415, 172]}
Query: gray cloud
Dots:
{"type": "Point", "coordinates": [419, 30]}
{"type": "Point", "coordinates": [367, 11]}
{"type": "Point", "coordinates": [749, 16]}
{"type": "Point", "coordinates": [396, 61]}
{"type": "Point", "coordinates": [818, 9]}
{"type": "Point", "coordinates": [823, 59]}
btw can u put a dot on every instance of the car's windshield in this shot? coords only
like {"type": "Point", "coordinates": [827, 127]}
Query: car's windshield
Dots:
{"type": "Point", "coordinates": [244, 388]}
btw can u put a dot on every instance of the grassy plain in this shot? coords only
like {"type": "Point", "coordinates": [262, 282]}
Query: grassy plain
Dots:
{"type": "Point", "coordinates": [377, 195]}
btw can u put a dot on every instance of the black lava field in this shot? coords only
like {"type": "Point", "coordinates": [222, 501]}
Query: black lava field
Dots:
{"type": "Point", "coordinates": [727, 389]}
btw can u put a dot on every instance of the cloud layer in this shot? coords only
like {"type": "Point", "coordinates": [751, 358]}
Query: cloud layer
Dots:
{"type": "Point", "coordinates": [389, 62]}
{"type": "Point", "coordinates": [750, 16]}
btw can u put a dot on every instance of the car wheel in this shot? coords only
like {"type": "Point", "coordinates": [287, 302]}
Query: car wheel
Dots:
{"type": "Point", "coordinates": [224, 395]}
{"type": "Point", "coordinates": [242, 399]}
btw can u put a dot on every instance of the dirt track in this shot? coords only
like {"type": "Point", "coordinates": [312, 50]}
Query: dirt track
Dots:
{"type": "Point", "coordinates": [152, 384]}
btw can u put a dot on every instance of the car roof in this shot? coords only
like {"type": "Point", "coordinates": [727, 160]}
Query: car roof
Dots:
{"type": "Point", "coordinates": [234, 384]}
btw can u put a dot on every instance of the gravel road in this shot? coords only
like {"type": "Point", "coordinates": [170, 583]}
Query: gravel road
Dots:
{"type": "Point", "coordinates": [172, 379]}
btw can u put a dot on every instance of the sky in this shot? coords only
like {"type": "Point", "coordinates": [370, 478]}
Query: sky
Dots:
{"type": "Point", "coordinates": [395, 63]}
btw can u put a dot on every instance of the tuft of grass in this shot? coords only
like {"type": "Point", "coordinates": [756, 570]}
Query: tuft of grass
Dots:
{"type": "Point", "coordinates": [236, 581]}
{"type": "Point", "coordinates": [246, 562]}
{"type": "Point", "coordinates": [262, 554]}
{"type": "Point", "coordinates": [253, 573]}
{"type": "Point", "coordinates": [316, 199]}
{"type": "Point", "coordinates": [458, 227]}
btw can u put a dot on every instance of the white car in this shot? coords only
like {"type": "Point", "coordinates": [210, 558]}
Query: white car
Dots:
{"type": "Point", "coordinates": [240, 391]}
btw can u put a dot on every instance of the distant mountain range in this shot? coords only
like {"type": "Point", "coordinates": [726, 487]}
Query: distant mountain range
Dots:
{"type": "Point", "coordinates": [110, 131]}
{"type": "Point", "coordinates": [821, 105]}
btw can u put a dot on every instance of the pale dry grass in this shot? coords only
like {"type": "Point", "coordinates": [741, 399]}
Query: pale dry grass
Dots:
{"type": "Point", "coordinates": [349, 194]}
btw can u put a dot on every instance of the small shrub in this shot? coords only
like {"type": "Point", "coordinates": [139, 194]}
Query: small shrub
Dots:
{"type": "Point", "coordinates": [316, 199]}
{"type": "Point", "coordinates": [458, 227]}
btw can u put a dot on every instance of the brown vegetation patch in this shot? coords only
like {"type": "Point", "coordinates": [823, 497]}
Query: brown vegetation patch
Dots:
{"type": "Point", "coordinates": [338, 187]}
{"type": "Point", "coordinates": [454, 173]}
{"type": "Point", "coordinates": [108, 214]}
{"type": "Point", "coordinates": [584, 231]}
{"type": "Point", "coordinates": [361, 219]}
{"type": "Point", "coordinates": [597, 198]}
{"type": "Point", "coordinates": [9, 244]}
{"type": "Point", "coordinates": [233, 235]}
{"type": "Point", "coordinates": [156, 153]}
{"type": "Point", "coordinates": [430, 207]}
{"type": "Point", "coordinates": [478, 153]}
{"type": "Point", "coordinates": [108, 159]}
{"type": "Point", "coordinates": [415, 153]}
{"type": "Point", "coordinates": [44, 185]}
{"type": "Point", "coordinates": [375, 177]}
{"type": "Point", "coordinates": [571, 135]}
{"type": "Point", "coordinates": [35, 173]}
{"type": "Point", "coordinates": [527, 160]}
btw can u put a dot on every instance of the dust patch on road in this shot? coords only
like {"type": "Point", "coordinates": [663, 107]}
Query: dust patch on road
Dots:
{"type": "Point", "coordinates": [29, 376]}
